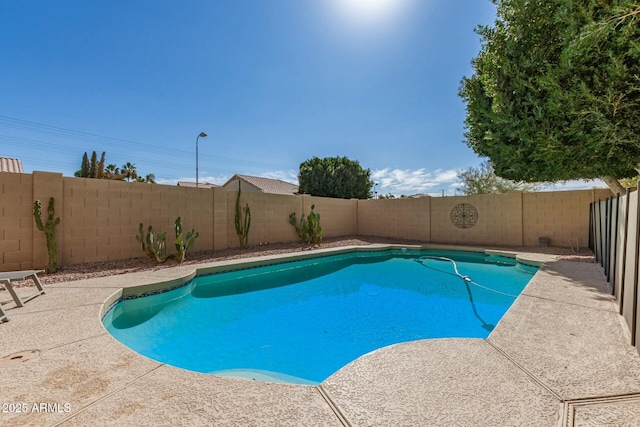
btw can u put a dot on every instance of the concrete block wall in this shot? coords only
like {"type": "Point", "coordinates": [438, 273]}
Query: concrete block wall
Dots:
{"type": "Point", "coordinates": [406, 218]}
{"type": "Point", "coordinates": [100, 218]}
{"type": "Point", "coordinates": [16, 221]}
{"type": "Point", "coordinates": [269, 217]}
{"type": "Point", "coordinates": [511, 219]}
{"type": "Point", "coordinates": [45, 186]}
{"type": "Point", "coordinates": [338, 217]}
{"type": "Point", "coordinates": [560, 216]}
{"type": "Point", "coordinates": [499, 220]}
{"type": "Point", "coordinates": [219, 219]}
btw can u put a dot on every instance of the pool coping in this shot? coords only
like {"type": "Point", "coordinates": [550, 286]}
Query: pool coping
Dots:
{"type": "Point", "coordinates": [541, 364]}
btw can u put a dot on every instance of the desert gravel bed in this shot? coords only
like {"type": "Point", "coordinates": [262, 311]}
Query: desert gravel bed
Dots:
{"type": "Point", "coordinates": [110, 268]}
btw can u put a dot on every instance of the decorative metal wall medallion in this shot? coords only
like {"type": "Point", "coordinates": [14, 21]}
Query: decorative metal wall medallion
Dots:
{"type": "Point", "coordinates": [464, 215]}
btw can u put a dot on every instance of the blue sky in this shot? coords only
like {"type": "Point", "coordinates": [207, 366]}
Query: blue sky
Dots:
{"type": "Point", "coordinates": [273, 83]}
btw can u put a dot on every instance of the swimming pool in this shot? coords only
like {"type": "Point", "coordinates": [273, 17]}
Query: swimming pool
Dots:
{"type": "Point", "coordinates": [301, 321]}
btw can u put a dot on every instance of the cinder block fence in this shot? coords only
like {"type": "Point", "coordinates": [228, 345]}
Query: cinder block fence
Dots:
{"type": "Point", "coordinates": [99, 219]}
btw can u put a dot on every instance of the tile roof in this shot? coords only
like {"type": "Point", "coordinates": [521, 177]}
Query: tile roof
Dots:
{"type": "Point", "coordinates": [10, 165]}
{"type": "Point", "coordinates": [267, 185]}
{"type": "Point", "coordinates": [193, 184]}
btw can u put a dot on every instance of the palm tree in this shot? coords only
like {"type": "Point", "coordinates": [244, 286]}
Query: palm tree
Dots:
{"type": "Point", "coordinates": [150, 178]}
{"type": "Point", "coordinates": [112, 169]}
{"type": "Point", "coordinates": [113, 172]}
{"type": "Point", "coordinates": [129, 171]}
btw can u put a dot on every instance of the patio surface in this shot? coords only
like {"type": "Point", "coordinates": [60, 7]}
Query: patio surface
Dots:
{"type": "Point", "coordinates": [559, 357]}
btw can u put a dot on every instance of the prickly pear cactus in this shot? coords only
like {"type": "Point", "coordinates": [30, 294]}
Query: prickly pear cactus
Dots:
{"type": "Point", "coordinates": [183, 243]}
{"type": "Point", "coordinates": [308, 230]}
{"type": "Point", "coordinates": [153, 244]}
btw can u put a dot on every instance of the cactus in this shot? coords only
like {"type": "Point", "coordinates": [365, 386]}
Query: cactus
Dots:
{"type": "Point", "coordinates": [182, 243]}
{"type": "Point", "coordinates": [153, 244]}
{"type": "Point", "coordinates": [242, 224]}
{"type": "Point", "coordinates": [49, 230]}
{"type": "Point", "coordinates": [309, 229]}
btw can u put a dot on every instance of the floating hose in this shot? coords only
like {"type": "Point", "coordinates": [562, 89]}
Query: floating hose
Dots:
{"type": "Point", "coordinates": [466, 279]}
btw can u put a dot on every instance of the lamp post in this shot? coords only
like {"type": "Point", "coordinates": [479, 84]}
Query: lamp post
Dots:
{"type": "Point", "coordinates": [202, 135]}
{"type": "Point", "coordinates": [375, 191]}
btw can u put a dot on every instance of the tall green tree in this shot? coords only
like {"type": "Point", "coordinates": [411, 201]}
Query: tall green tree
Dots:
{"type": "Point", "coordinates": [93, 170]}
{"type": "Point", "coordinates": [483, 180]}
{"type": "Point", "coordinates": [337, 177]}
{"type": "Point", "coordinates": [100, 168]}
{"type": "Point", "coordinates": [556, 91]}
{"type": "Point", "coordinates": [85, 167]}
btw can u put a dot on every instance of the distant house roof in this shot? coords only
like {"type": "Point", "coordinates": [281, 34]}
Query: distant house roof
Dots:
{"type": "Point", "coordinates": [193, 184]}
{"type": "Point", "coordinates": [264, 185]}
{"type": "Point", "coordinates": [10, 165]}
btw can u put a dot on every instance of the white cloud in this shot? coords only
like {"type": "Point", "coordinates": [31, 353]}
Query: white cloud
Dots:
{"type": "Point", "coordinates": [446, 176]}
{"type": "Point", "coordinates": [435, 183]}
{"type": "Point", "coordinates": [288, 176]}
{"type": "Point", "coordinates": [167, 181]}
{"type": "Point", "coordinates": [408, 181]}
{"type": "Point", "coordinates": [575, 185]}
{"type": "Point", "coordinates": [399, 181]}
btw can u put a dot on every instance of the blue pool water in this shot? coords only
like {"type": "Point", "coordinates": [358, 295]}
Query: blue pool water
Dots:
{"type": "Point", "coordinates": [302, 321]}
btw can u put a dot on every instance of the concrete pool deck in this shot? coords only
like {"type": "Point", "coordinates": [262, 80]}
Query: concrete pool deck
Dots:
{"type": "Point", "coordinates": [559, 357]}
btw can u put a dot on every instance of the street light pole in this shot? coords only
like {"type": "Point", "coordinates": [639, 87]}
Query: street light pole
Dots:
{"type": "Point", "coordinates": [202, 134]}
